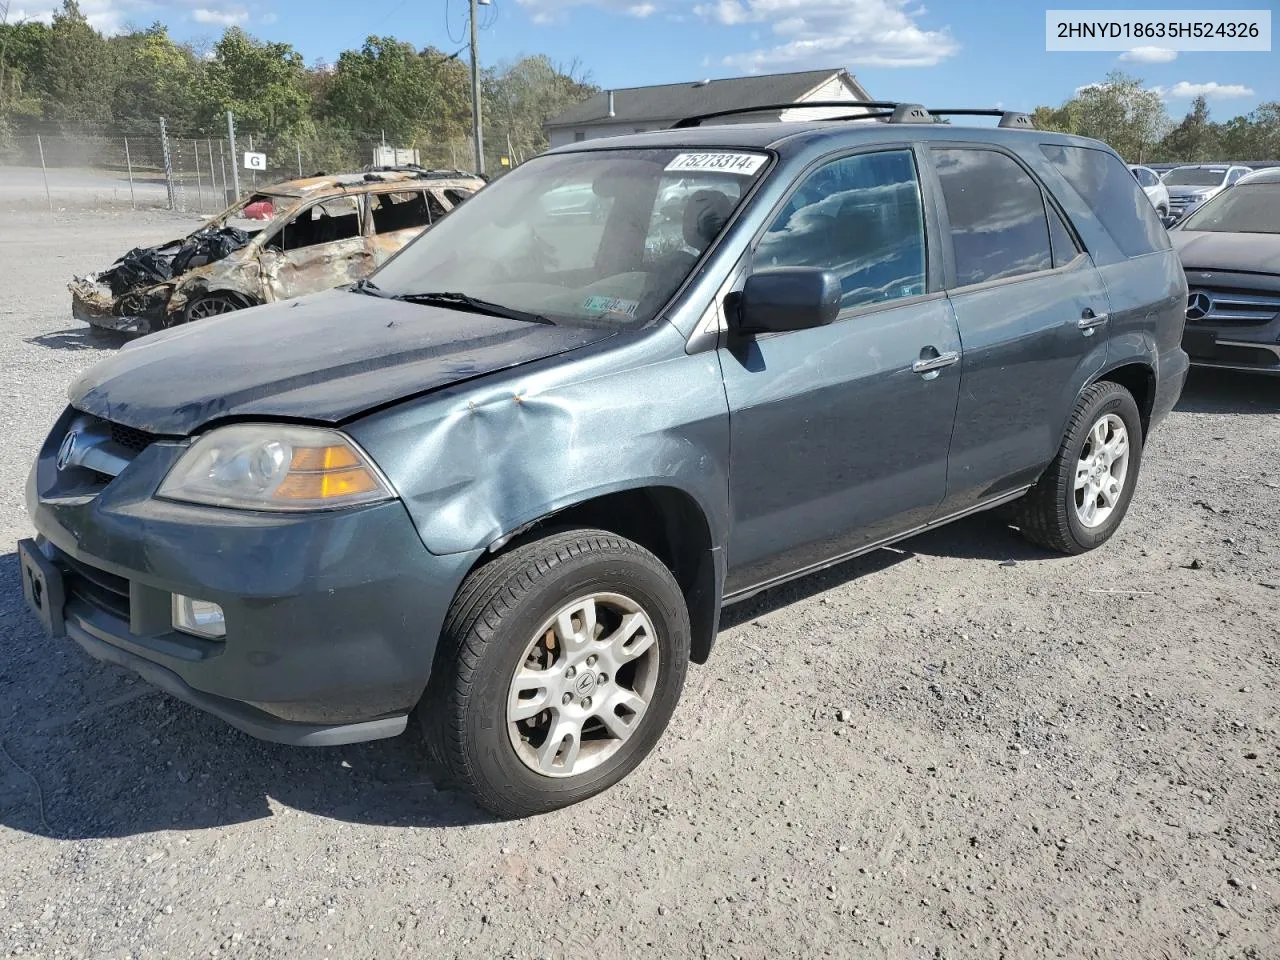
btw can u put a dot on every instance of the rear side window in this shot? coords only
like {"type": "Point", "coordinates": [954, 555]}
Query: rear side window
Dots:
{"type": "Point", "coordinates": [859, 217]}
{"type": "Point", "coordinates": [399, 211]}
{"type": "Point", "coordinates": [455, 195]}
{"type": "Point", "coordinates": [998, 226]}
{"type": "Point", "coordinates": [1115, 199]}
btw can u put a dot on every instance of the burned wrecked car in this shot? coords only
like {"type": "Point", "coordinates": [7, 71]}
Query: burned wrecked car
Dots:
{"type": "Point", "coordinates": [293, 238]}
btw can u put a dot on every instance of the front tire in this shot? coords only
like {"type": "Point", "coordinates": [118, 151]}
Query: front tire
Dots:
{"type": "Point", "coordinates": [560, 665]}
{"type": "Point", "coordinates": [1079, 501]}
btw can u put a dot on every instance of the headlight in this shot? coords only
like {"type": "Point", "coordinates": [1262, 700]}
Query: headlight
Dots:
{"type": "Point", "coordinates": [259, 466]}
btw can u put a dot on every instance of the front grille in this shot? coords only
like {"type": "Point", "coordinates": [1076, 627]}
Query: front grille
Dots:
{"type": "Point", "coordinates": [103, 590]}
{"type": "Point", "coordinates": [1225, 306]}
{"type": "Point", "coordinates": [131, 438]}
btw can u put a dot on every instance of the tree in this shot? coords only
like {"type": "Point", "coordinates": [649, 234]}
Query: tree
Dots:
{"type": "Point", "coordinates": [77, 75]}
{"type": "Point", "coordinates": [1195, 139]}
{"type": "Point", "coordinates": [1121, 112]}
{"type": "Point", "coordinates": [521, 96]}
{"type": "Point", "coordinates": [264, 84]}
{"type": "Point", "coordinates": [158, 78]}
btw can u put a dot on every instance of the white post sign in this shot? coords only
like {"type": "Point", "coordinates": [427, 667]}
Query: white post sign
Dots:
{"type": "Point", "coordinates": [255, 161]}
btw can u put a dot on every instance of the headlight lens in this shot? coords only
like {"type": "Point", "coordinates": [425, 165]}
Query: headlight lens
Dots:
{"type": "Point", "coordinates": [258, 466]}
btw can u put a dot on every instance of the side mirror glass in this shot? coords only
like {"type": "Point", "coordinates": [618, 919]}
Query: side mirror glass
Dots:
{"type": "Point", "coordinates": [788, 298]}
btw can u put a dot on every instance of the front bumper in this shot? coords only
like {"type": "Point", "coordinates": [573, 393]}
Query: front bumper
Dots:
{"type": "Point", "coordinates": [331, 618]}
{"type": "Point", "coordinates": [1233, 321]}
{"type": "Point", "coordinates": [133, 312]}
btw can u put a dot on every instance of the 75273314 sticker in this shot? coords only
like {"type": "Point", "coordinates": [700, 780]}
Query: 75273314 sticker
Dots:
{"type": "Point", "coordinates": [745, 164]}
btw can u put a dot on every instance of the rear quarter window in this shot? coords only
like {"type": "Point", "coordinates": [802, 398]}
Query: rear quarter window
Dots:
{"type": "Point", "coordinates": [1112, 194]}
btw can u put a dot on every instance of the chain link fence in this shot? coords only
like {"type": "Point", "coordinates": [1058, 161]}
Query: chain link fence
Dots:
{"type": "Point", "coordinates": [62, 172]}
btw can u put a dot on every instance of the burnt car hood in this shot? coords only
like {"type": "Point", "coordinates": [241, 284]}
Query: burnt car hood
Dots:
{"type": "Point", "coordinates": [327, 358]}
{"type": "Point", "coordinates": [1242, 252]}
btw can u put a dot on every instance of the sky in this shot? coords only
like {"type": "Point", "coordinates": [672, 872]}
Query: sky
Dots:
{"type": "Point", "coordinates": [937, 52]}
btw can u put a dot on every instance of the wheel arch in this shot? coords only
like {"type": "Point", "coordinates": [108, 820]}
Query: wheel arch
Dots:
{"type": "Point", "coordinates": [1139, 378]}
{"type": "Point", "coordinates": [668, 522]}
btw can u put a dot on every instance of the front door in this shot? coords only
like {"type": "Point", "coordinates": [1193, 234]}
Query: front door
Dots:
{"type": "Point", "coordinates": [839, 434]}
{"type": "Point", "coordinates": [1032, 313]}
{"type": "Point", "coordinates": [321, 247]}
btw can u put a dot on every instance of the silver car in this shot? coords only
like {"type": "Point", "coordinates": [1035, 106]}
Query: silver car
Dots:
{"type": "Point", "coordinates": [1194, 183]}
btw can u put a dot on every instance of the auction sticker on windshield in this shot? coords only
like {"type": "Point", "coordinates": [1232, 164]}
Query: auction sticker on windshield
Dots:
{"type": "Point", "coordinates": [743, 163]}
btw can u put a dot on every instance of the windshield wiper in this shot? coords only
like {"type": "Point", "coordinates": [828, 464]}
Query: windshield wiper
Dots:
{"type": "Point", "coordinates": [462, 301]}
{"type": "Point", "coordinates": [368, 287]}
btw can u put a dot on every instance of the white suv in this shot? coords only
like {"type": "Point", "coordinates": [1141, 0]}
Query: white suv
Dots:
{"type": "Point", "coordinates": [1153, 187]}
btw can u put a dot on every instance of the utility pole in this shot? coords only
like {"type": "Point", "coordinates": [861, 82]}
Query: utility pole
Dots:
{"type": "Point", "coordinates": [476, 132]}
{"type": "Point", "coordinates": [235, 161]}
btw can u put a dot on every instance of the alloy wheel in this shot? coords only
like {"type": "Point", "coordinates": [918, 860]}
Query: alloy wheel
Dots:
{"type": "Point", "coordinates": [583, 685]}
{"type": "Point", "coordinates": [1101, 471]}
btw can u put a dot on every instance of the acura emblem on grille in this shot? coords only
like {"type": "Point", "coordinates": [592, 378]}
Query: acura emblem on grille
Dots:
{"type": "Point", "coordinates": [1198, 305]}
{"type": "Point", "coordinates": [67, 450]}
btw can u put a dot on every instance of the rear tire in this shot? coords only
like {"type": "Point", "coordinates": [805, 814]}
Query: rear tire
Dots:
{"type": "Point", "coordinates": [1096, 466]}
{"type": "Point", "coordinates": [560, 664]}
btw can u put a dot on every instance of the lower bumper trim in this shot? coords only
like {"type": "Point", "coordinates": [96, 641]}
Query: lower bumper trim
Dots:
{"type": "Point", "coordinates": [242, 716]}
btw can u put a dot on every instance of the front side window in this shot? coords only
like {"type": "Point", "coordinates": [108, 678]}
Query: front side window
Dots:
{"type": "Point", "coordinates": [1124, 211]}
{"type": "Point", "coordinates": [599, 237]}
{"type": "Point", "coordinates": [324, 222]}
{"type": "Point", "coordinates": [998, 225]}
{"type": "Point", "coordinates": [1245, 208]}
{"type": "Point", "coordinates": [859, 217]}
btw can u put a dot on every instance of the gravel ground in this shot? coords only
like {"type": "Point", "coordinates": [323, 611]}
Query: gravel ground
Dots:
{"type": "Point", "coordinates": [961, 747]}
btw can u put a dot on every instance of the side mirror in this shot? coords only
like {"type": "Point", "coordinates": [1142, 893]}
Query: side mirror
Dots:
{"type": "Point", "coordinates": [1169, 220]}
{"type": "Point", "coordinates": [788, 298]}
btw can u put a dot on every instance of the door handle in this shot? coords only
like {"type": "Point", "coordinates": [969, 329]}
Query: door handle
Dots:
{"type": "Point", "coordinates": [1089, 321]}
{"type": "Point", "coordinates": [936, 362]}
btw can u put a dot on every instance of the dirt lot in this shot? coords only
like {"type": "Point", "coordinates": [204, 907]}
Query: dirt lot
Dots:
{"type": "Point", "coordinates": [963, 747]}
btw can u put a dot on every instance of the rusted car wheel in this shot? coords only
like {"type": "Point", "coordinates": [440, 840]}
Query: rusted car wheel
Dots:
{"type": "Point", "coordinates": [213, 304]}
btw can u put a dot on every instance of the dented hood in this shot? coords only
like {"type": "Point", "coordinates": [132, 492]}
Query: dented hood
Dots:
{"type": "Point", "coordinates": [326, 357]}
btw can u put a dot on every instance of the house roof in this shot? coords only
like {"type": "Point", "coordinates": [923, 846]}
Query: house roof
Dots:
{"type": "Point", "coordinates": [671, 101]}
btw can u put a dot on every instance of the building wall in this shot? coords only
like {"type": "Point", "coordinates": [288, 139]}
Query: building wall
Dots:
{"type": "Point", "coordinates": [594, 131]}
{"type": "Point", "coordinates": [834, 89]}
{"type": "Point", "coordinates": [837, 88]}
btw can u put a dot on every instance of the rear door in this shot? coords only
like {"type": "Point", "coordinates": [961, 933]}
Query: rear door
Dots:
{"type": "Point", "coordinates": [396, 218]}
{"type": "Point", "coordinates": [839, 433]}
{"type": "Point", "coordinates": [321, 247]}
{"type": "Point", "coordinates": [1032, 314]}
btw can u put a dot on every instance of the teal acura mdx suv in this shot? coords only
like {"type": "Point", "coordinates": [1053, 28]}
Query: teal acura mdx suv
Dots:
{"type": "Point", "coordinates": [506, 485]}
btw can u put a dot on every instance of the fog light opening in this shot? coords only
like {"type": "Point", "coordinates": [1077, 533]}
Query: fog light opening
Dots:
{"type": "Point", "coordinates": [200, 618]}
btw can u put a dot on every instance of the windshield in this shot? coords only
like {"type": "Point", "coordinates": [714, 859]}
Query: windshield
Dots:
{"type": "Point", "coordinates": [1195, 176]}
{"type": "Point", "coordinates": [598, 238]}
{"type": "Point", "coordinates": [1245, 208]}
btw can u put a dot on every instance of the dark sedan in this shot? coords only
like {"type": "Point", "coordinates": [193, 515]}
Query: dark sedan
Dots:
{"type": "Point", "coordinates": [1230, 250]}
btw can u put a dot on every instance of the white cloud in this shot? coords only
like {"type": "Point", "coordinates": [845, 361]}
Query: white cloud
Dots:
{"type": "Point", "coordinates": [873, 33]}
{"type": "Point", "coordinates": [799, 34]}
{"type": "Point", "coordinates": [1149, 55]}
{"type": "Point", "coordinates": [1182, 90]}
{"type": "Point", "coordinates": [268, 18]}
{"type": "Point", "coordinates": [221, 18]}
{"type": "Point", "coordinates": [549, 11]}
{"type": "Point", "coordinates": [115, 16]}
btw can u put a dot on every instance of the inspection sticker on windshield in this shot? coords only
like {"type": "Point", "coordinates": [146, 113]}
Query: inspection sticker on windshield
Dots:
{"type": "Point", "coordinates": [611, 305]}
{"type": "Point", "coordinates": [745, 164]}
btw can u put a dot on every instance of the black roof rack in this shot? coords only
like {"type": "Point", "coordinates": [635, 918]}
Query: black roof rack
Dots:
{"type": "Point", "coordinates": [421, 172]}
{"type": "Point", "coordinates": [697, 120]}
{"type": "Point", "coordinates": [1008, 118]}
{"type": "Point", "coordinates": [889, 110]}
